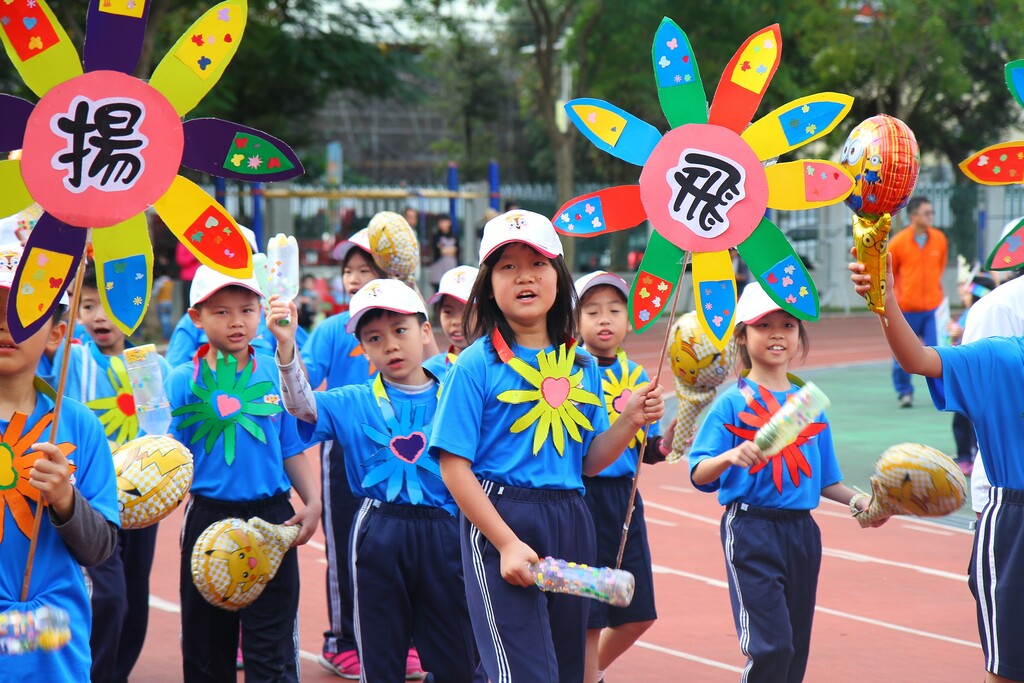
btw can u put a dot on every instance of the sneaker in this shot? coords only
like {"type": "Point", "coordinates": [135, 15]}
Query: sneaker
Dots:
{"type": "Point", "coordinates": [966, 466]}
{"type": "Point", "coordinates": [906, 401]}
{"type": "Point", "coordinates": [413, 670]}
{"type": "Point", "coordinates": [239, 662]}
{"type": "Point", "coordinates": [343, 664]}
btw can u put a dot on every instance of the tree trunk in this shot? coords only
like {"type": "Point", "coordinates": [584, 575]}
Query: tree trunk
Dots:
{"type": "Point", "coordinates": [565, 182]}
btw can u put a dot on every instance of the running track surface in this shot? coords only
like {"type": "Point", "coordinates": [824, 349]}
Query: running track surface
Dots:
{"type": "Point", "coordinates": [893, 603]}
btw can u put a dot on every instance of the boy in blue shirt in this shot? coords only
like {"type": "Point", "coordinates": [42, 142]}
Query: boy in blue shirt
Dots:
{"type": "Point", "coordinates": [450, 302]}
{"type": "Point", "coordinates": [404, 553]}
{"type": "Point", "coordinates": [247, 455]}
{"type": "Point", "coordinates": [97, 377]}
{"type": "Point", "coordinates": [978, 380]}
{"type": "Point", "coordinates": [603, 326]}
{"type": "Point", "coordinates": [76, 479]}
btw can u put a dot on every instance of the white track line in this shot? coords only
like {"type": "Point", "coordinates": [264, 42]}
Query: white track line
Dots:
{"type": "Point", "coordinates": [718, 583]}
{"type": "Point", "coordinates": [659, 522]}
{"type": "Point", "coordinates": [676, 489]}
{"type": "Point", "coordinates": [688, 656]}
{"type": "Point", "coordinates": [172, 607]}
{"type": "Point", "coordinates": [829, 552]}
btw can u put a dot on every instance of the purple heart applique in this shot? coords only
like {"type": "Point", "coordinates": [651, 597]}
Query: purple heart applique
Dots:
{"type": "Point", "coordinates": [409, 448]}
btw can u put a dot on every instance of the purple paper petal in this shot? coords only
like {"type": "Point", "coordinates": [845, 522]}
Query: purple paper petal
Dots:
{"type": "Point", "coordinates": [114, 34]}
{"type": "Point", "coordinates": [231, 150]}
{"type": "Point", "coordinates": [52, 254]}
{"type": "Point", "coordinates": [14, 113]}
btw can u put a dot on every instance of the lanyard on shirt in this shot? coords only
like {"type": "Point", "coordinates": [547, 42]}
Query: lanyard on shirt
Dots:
{"type": "Point", "coordinates": [506, 354]}
{"type": "Point", "coordinates": [450, 357]}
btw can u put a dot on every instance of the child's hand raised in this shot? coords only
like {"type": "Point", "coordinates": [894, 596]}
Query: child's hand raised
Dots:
{"type": "Point", "coordinates": [516, 558]}
{"type": "Point", "coordinates": [646, 405]}
{"type": "Point", "coordinates": [51, 474]}
{"type": "Point", "coordinates": [278, 310]}
{"type": "Point", "coordinates": [862, 281]}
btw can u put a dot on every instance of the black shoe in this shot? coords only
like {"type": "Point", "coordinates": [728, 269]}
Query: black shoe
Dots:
{"type": "Point", "coordinates": [906, 400]}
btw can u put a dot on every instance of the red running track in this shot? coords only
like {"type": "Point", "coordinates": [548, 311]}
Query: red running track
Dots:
{"type": "Point", "coordinates": [893, 603]}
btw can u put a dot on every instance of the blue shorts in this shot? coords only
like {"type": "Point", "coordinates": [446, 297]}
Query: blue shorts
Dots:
{"type": "Point", "coordinates": [524, 634]}
{"type": "Point", "coordinates": [607, 498]}
{"type": "Point", "coordinates": [996, 578]}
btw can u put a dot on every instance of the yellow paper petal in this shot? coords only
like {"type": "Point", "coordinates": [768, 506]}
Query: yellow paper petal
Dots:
{"type": "Point", "coordinates": [569, 422]}
{"type": "Point", "coordinates": [531, 416]}
{"type": "Point", "coordinates": [796, 123]}
{"type": "Point", "coordinates": [557, 433]}
{"type": "Point", "coordinates": [527, 371]}
{"type": "Point", "coordinates": [714, 286]}
{"type": "Point", "coordinates": [519, 395]}
{"type": "Point", "coordinates": [124, 267]}
{"type": "Point", "coordinates": [540, 432]}
{"type": "Point", "coordinates": [581, 395]}
{"type": "Point", "coordinates": [38, 45]}
{"type": "Point", "coordinates": [807, 184]}
{"type": "Point", "coordinates": [196, 62]}
{"type": "Point", "coordinates": [577, 416]}
{"type": "Point", "coordinates": [14, 196]}
{"type": "Point", "coordinates": [205, 228]}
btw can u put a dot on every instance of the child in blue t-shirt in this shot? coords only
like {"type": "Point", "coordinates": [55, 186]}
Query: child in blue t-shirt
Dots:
{"type": "Point", "coordinates": [603, 326]}
{"type": "Point", "coordinates": [980, 379]}
{"type": "Point", "coordinates": [772, 544]}
{"type": "Point", "coordinates": [404, 561]}
{"type": "Point", "coordinates": [248, 455]}
{"type": "Point", "coordinates": [75, 478]}
{"type": "Point", "coordinates": [97, 377]}
{"type": "Point", "coordinates": [450, 304]}
{"type": "Point", "coordinates": [520, 421]}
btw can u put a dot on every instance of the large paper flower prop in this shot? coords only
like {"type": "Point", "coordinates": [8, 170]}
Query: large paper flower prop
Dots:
{"type": "Point", "coordinates": [554, 391]}
{"type": "Point", "coordinates": [16, 461]}
{"type": "Point", "coordinates": [704, 186]}
{"type": "Point", "coordinates": [789, 458]}
{"type": "Point", "coordinates": [117, 413]}
{"type": "Point", "coordinates": [100, 147]}
{"type": "Point", "coordinates": [226, 402]}
{"type": "Point", "coordinates": [619, 384]}
{"type": "Point", "coordinates": [402, 458]}
{"type": "Point", "coordinates": [1003, 164]}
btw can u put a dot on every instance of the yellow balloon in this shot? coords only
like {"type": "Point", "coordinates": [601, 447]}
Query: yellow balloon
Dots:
{"type": "Point", "coordinates": [153, 475]}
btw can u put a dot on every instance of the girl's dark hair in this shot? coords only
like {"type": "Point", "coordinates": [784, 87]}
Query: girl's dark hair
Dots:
{"type": "Point", "coordinates": [563, 318]}
{"type": "Point", "coordinates": [740, 332]}
{"type": "Point", "coordinates": [369, 259]}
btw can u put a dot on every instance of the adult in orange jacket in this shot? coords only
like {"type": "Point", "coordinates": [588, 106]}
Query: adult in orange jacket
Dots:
{"type": "Point", "coordinates": [919, 254]}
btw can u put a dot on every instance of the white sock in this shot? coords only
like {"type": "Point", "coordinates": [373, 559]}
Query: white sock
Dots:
{"type": "Point", "coordinates": [600, 676]}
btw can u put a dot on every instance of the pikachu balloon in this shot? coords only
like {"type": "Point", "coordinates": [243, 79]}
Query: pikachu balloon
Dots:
{"type": "Point", "coordinates": [394, 246]}
{"type": "Point", "coordinates": [914, 479]}
{"type": "Point", "coordinates": [881, 154]}
{"type": "Point", "coordinates": [699, 368]}
{"type": "Point", "coordinates": [233, 560]}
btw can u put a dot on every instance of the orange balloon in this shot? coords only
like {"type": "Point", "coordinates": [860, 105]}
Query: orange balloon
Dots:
{"type": "Point", "coordinates": [882, 156]}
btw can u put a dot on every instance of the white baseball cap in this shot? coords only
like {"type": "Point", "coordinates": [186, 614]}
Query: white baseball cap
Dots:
{"type": "Point", "coordinates": [208, 282]}
{"type": "Point", "coordinates": [520, 226]}
{"type": "Point", "coordinates": [456, 283]}
{"type": "Point", "coordinates": [389, 295]}
{"type": "Point", "coordinates": [600, 277]}
{"type": "Point", "coordinates": [754, 304]}
{"type": "Point", "coordinates": [10, 257]}
{"type": "Point", "coordinates": [361, 239]}
{"type": "Point", "coordinates": [250, 237]}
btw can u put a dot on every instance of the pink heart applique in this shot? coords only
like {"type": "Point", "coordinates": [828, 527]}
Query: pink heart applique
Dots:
{"type": "Point", "coordinates": [555, 390]}
{"type": "Point", "coordinates": [409, 448]}
{"type": "Point", "coordinates": [619, 404]}
{"type": "Point", "coordinates": [227, 405]}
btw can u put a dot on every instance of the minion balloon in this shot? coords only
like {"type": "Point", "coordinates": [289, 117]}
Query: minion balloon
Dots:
{"type": "Point", "coordinates": [882, 156]}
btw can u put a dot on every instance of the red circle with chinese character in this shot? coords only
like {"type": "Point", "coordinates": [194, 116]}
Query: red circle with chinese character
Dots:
{"type": "Point", "coordinates": [100, 149]}
{"type": "Point", "coordinates": [703, 188]}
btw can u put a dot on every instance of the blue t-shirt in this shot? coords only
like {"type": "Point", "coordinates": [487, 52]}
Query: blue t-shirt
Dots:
{"type": "Point", "coordinates": [187, 338]}
{"type": "Point", "coordinates": [971, 377]}
{"type": "Point", "coordinates": [801, 491]}
{"type": "Point", "coordinates": [56, 578]}
{"type": "Point", "coordinates": [333, 354]}
{"type": "Point", "coordinates": [439, 365]}
{"type": "Point", "coordinates": [619, 385]}
{"type": "Point", "coordinates": [383, 432]}
{"type": "Point", "coordinates": [236, 427]}
{"type": "Point", "coordinates": [474, 424]}
{"type": "Point", "coordinates": [101, 382]}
